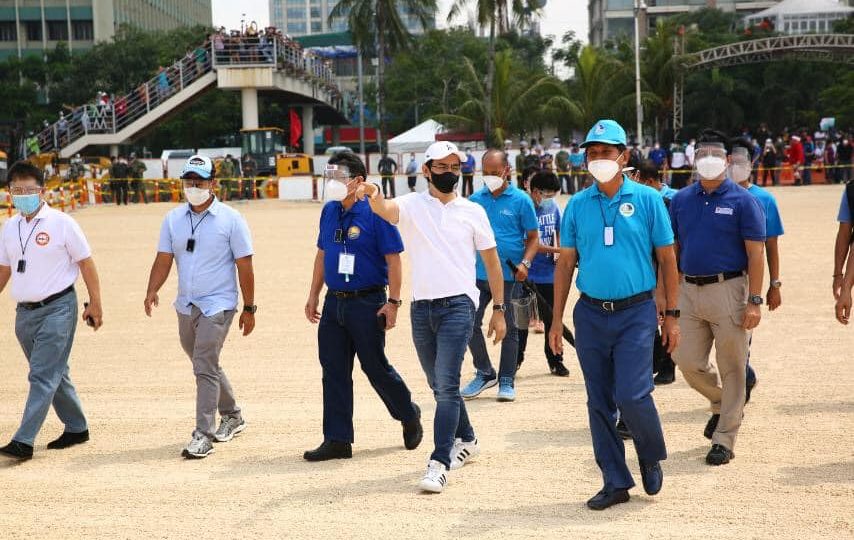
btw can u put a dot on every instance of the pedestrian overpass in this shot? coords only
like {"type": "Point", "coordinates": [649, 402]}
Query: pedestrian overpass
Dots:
{"type": "Point", "coordinates": [808, 47]}
{"type": "Point", "coordinates": [277, 66]}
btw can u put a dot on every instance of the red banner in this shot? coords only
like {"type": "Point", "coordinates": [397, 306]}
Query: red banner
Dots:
{"type": "Point", "coordinates": [296, 128]}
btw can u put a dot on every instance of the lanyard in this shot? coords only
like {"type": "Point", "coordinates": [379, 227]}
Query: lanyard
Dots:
{"type": "Point", "coordinates": [27, 243]}
{"type": "Point", "coordinates": [345, 221]}
{"type": "Point", "coordinates": [608, 230]}
{"type": "Point", "coordinates": [197, 225]}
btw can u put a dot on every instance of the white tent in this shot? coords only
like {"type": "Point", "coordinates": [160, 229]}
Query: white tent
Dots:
{"type": "Point", "coordinates": [416, 139]}
{"type": "Point", "coordinates": [802, 16]}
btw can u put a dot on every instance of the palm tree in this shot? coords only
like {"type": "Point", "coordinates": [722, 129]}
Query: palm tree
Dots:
{"type": "Point", "coordinates": [376, 25]}
{"type": "Point", "coordinates": [496, 15]}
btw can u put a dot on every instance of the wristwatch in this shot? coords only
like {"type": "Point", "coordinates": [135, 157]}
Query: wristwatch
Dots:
{"type": "Point", "coordinates": [675, 313]}
{"type": "Point", "coordinates": [395, 302]}
{"type": "Point", "coordinates": [776, 283]}
{"type": "Point", "coordinates": [526, 263]}
{"type": "Point", "coordinates": [250, 309]}
{"type": "Point", "coordinates": [755, 299]}
{"type": "Point", "coordinates": [499, 307]}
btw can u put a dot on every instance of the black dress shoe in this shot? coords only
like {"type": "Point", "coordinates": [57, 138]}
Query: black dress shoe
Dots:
{"type": "Point", "coordinates": [751, 384]}
{"type": "Point", "coordinates": [330, 450]}
{"type": "Point", "coordinates": [558, 369]}
{"type": "Point", "coordinates": [711, 426]}
{"type": "Point", "coordinates": [665, 376]}
{"type": "Point", "coordinates": [652, 476]}
{"type": "Point", "coordinates": [18, 450]}
{"type": "Point", "coordinates": [413, 432]}
{"type": "Point", "coordinates": [608, 498]}
{"type": "Point", "coordinates": [623, 430]}
{"type": "Point", "coordinates": [719, 455]}
{"type": "Point", "coordinates": [68, 439]}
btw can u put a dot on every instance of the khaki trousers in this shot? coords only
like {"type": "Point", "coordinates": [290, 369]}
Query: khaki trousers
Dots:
{"type": "Point", "coordinates": [714, 314]}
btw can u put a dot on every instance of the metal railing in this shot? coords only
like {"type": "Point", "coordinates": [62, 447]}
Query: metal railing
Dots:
{"type": "Point", "coordinates": [219, 51]}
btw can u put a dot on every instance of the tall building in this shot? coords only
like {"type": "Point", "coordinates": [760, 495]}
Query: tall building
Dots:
{"type": "Point", "coordinates": [307, 17]}
{"type": "Point", "coordinates": [33, 26]}
{"type": "Point", "coordinates": [611, 18]}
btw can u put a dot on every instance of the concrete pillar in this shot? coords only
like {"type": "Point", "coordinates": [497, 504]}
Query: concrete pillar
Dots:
{"type": "Point", "coordinates": [308, 130]}
{"type": "Point", "coordinates": [249, 107]}
{"type": "Point", "coordinates": [114, 150]}
{"type": "Point", "coordinates": [336, 135]}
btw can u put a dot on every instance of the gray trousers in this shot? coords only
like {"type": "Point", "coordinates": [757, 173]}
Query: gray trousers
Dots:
{"type": "Point", "coordinates": [202, 338]}
{"type": "Point", "coordinates": [46, 335]}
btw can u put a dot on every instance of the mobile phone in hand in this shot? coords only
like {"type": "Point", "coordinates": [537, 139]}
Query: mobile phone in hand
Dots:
{"type": "Point", "coordinates": [89, 320]}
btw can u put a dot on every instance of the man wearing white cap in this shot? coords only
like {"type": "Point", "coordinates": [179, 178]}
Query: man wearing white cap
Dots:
{"type": "Point", "coordinates": [442, 233]}
{"type": "Point", "coordinates": [206, 239]}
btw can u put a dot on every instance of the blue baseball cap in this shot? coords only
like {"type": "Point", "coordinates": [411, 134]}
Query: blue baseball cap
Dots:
{"type": "Point", "coordinates": [605, 132]}
{"type": "Point", "coordinates": [201, 165]}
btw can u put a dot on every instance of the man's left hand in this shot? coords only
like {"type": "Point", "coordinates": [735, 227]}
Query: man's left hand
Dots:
{"type": "Point", "coordinates": [247, 322]}
{"type": "Point", "coordinates": [773, 298]}
{"type": "Point", "coordinates": [521, 272]}
{"type": "Point", "coordinates": [94, 310]}
{"type": "Point", "coordinates": [670, 333]}
{"type": "Point", "coordinates": [390, 312]}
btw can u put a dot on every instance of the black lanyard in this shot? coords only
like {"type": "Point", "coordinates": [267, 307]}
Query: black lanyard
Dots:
{"type": "Point", "coordinates": [191, 241]}
{"type": "Point", "coordinates": [345, 220]}
{"type": "Point", "coordinates": [22, 264]}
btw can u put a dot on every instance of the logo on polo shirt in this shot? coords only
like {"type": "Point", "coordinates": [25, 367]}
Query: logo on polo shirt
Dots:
{"type": "Point", "coordinates": [627, 209]}
{"type": "Point", "coordinates": [354, 232]}
{"type": "Point", "coordinates": [723, 210]}
{"type": "Point", "coordinates": [42, 239]}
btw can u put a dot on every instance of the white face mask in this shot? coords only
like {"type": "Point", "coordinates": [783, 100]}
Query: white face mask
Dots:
{"type": "Point", "coordinates": [493, 183]}
{"type": "Point", "coordinates": [196, 196]}
{"type": "Point", "coordinates": [603, 170]}
{"type": "Point", "coordinates": [711, 167]}
{"type": "Point", "coordinates": [739, 172]}
{"type": "Point", "coordinates": [334, 191]}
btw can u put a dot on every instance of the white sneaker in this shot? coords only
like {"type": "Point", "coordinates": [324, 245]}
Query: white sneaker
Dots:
{"type": "Point", "coordinates": [200, 447]}
{"type": "Point", "coordinates": [462, 452]}
{"type": "Point", "coordinates": [229, 427]}
{"type": "Point", "coordinates": [435, 478]}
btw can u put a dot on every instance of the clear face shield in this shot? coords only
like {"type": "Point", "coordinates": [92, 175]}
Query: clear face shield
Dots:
{"type": "Point", "coordinates": [336, 182]}
{"type": "Point", "coordinates": [710, 160]}
{"type": "Point", "coordinates": [740, 165]}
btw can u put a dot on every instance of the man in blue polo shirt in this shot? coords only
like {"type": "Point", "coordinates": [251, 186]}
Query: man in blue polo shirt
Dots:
{"type": "Point", "coordinates": [467, 168]}
{"type": "Point", "coordinates": [720, 234]}
{"type": "Point", "coordinates": [514, 222]}
{"type": "Point", "coordinates": [358, 255]}
{"type": "Point", "coordinates": [611, 231]}
{"type": "Point", "coordinates": [740, 168]}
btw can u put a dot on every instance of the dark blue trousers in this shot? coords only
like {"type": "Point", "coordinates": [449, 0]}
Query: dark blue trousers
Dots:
{"type": "Point", "coordinates": [615, 352]}
{"type": "Point", "coordinates": [348, 327]}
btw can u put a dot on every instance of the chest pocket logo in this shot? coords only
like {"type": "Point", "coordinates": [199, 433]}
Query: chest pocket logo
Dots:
{"type": "Point", "coordinates": [723, 210]}
{"type": "Point", "coordinates": [353, 233]}
{"type": "Point", "coordinates": [627, 210]}
{"type": "Point", "coordinates": [42, 239]}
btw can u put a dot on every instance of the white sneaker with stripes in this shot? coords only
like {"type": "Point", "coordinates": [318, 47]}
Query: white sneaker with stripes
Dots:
{"type": "Point", "coordinates": [435, 478]}
{"type": "Point", "coordinates": [462, 452]}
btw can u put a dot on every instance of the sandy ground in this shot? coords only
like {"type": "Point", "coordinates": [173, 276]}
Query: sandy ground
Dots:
{"type": "Point", "coordinates": [793, 476]}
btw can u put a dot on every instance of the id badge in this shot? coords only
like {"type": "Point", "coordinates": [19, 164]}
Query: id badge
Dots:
{"type": "Point", "coordinates": [609, 236]}
{"type": "Point", "coordinates": [346, 263]}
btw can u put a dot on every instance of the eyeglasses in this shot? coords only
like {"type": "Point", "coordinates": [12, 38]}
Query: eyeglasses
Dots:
{"type": "Point", "coordinates": [441, 168]}
{"type": "Point", "coordinates": [27, 190]}
{"type": "Point", "coordinates": [197, 182]}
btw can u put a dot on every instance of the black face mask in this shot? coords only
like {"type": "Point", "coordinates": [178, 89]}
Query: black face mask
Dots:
{"type": "Point", "coordinates": [445, 182]}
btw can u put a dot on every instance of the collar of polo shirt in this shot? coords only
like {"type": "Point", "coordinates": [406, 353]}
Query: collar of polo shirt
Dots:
{"type": "Point", "coordinates": [629, 187]}
{"type": "Point", "coordinates": [723, 188]}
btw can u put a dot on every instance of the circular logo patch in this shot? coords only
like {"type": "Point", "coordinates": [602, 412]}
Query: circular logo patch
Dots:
{"type": "Point", "coordinates": [600, 129]}
{"type": "Point", "coordinates": [42, 239]}
{"type": "Point", "coordinates": [354, 232]}
{"type": "Point", "coordinates": [627, 209]}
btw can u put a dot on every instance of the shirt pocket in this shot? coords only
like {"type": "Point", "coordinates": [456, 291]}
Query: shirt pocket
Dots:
{"type": "Point", "coordinates": [725, 220]}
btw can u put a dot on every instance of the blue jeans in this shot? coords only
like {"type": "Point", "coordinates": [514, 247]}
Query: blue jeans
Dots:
{"type": "Point", "coordinates": [510, 345]}
{"type": "Point", "coordinates": [46, 335]}
{"type": "Point", "coordinates": [348, 327]}
{"type": "Point", "coordinates": [441, 329]}
{"type": "Point", "coordinates": [615, 353]}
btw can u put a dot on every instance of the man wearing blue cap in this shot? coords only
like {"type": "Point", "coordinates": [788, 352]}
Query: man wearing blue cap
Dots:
{"type": "Point", "coordinates": [612, 231]}
{"type": "Point", "coordinates": [206, 239]}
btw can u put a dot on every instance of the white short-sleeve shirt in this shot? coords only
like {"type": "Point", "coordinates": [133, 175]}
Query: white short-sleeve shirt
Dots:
{"type": "Point", "coordinates": [442, 241]}
{"type": "Point", "coordinates": [52, 243]}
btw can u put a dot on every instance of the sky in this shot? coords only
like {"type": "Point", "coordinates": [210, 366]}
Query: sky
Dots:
{"type": "Point", "coordinates": [558, 15]}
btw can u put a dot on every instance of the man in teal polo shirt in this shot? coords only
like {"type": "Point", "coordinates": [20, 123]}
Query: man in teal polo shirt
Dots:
{"type": "Point", "coordinates": [514, 222]}
{"type": "Point", "coordinates": [612, 230]}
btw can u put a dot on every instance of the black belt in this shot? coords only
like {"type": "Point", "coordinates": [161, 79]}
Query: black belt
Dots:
{"type": "Point", "coordinates": [46, 301]}
{"type": "Point", "coordinates": [618, 305]}
{"type": "Point", "coordinates": [359, 293]}
{"type": "Point", "coordinates": [716, 278]}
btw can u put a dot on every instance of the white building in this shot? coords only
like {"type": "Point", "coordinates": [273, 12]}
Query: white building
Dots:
{"type": "Point", "coordinates": [802, 16]}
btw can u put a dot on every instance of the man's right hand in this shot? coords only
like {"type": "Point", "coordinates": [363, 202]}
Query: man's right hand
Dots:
{"type": "Point", "coordinates": [151, 300]}
{"type": "Point", "coordinates": [311, 312]}
{"type": "Point", "coordinates": [843, 307]}
{"type": "Point", "coordinates": [497, 327]}
{"type": "Point", "coordinates": [837, 286]}
{"type": "Point", "coordinates": [556, 338]}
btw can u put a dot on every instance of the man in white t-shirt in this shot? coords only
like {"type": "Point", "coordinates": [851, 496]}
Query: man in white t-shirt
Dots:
{"type": "Point", "coordinates": [43, 251]}
{"type": "Point", "coordinates": [442, 233]}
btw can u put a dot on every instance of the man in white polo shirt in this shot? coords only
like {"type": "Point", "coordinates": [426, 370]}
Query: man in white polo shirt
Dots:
{"type": "Point", "coordinates": [442, 233]}
{"type": "Point", "coordinates": [206, 239]}
{"type": "Point", "coordinates": [43, 251]}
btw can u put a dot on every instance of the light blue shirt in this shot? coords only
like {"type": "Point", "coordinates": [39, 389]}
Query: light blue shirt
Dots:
{"type": "Point", "coordinates": [668, 192]}
{"type": "Point", "coordinates": [511, 215]}
{"type": "Point", "coordinates": [773, 223]}
{"type": "Point", "coordinates": [641, 224]}
{"type": "Point", "coordinates": [844, 212]}
{"type": "Point", "coordinates": [206, 276]}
